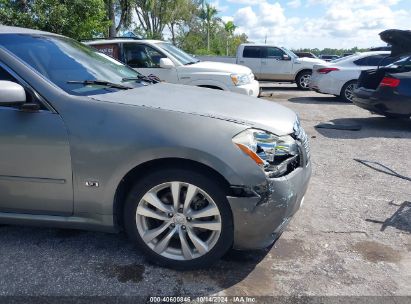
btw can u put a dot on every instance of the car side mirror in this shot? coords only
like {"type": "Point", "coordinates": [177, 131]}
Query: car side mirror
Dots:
{"type": "Point", "coordinates": [12, 94]}
{"type": "Point", "coordinates": [286, 57]}
{"type": "Point", "coordinates": [166, 63]}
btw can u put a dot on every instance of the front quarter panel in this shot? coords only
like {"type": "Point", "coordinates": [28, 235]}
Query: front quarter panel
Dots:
{"type": "Point", "coordinates": [109, 139]}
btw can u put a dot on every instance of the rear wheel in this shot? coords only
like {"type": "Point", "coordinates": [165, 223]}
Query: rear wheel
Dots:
{"type": "Point", "coordinates": [179, 218]}
{"type": "Point", "coordinates": [347, 92]}
{"type": "Point", "coordinates": [303, 80]}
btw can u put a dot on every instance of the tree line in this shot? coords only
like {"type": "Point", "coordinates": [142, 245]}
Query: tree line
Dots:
{"type": "Point", "coordinates": [193, 25]}
{"type": "Point", "coordinates": [330, 51]}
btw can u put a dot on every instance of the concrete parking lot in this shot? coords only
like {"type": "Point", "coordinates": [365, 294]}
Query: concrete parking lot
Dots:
{"type": "Point", "coordinates": [351, 237]}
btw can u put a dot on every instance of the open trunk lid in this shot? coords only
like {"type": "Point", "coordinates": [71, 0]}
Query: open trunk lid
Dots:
{"type": "Point", "coordinates": [400, 41]}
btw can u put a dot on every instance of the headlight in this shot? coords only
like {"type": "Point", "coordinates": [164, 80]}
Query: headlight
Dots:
{"type": "Point", "coordinates": [240, 79]}
{"type": "Point", "coordinates": [266, 148]}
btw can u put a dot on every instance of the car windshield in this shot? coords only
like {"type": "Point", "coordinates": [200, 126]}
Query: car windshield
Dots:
{"type": "Point", "coordinates": [73, 66]}
{"type": "Point", "coordinates": [180, 55]}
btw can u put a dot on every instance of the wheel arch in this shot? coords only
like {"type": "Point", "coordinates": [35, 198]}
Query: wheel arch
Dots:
{"type": "Point", "coordinates": [345, 83]}
{"type": "Point", "coordinates": [214, 87]}
{"type": "Point", "coordinates": [140, 170]}
{"type": "Point", "coordinates": [301, 71]}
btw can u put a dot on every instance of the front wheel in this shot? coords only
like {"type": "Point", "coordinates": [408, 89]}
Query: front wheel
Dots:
{"type": "Point", "coordinates": [303, 80]}
{"type": "Point", "coordinates": [181, 219]}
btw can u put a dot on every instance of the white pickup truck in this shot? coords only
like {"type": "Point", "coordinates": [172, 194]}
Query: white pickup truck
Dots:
{"type": "Point", "coordinates": [170, 64]}
{"type": "Point", "coordinates": [272, 63]}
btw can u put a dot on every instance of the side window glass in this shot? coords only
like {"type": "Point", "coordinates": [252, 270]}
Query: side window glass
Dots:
{"type": "Point", "coordinates": [154, 56]}
{"type": "Point", "coordinates": [271, 52]}
{"type": "Point", "coordinates": [141, 56]}
{"type": "Point", "coordinates": [361, 62]}
{"type": "Point", "coordinates": [252, 52]}
{"type": "Point", "coordinates": [111, 50]}
{"type": "Point", "coordinates": [375, 60]}
{"type": "Point", "coordinates": [4, 75]}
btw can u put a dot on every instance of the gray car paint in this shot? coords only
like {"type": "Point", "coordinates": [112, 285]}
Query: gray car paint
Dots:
{"type": "Point", "coordinates": [111, 134]}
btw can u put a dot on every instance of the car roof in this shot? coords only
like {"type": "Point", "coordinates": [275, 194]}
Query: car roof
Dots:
{"type": "Point", "coordinates": [4, 29]}
{"type": "Point", "coordinates": [370, 53]}
{"type": "Point", "coordinates": [120, 40]}
{"type": "Point", "coordinates": [259, 44]}
{"type": "Point", "coordinates": [356, 56]}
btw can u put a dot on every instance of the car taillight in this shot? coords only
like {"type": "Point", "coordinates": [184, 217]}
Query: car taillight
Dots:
{"type": "Point", "coordinates": [390, 82]}
{"type": "Point", "coordinates": [327, 70]}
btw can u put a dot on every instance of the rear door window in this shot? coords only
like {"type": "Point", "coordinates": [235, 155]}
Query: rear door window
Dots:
{"type": "Point", "coordinates": [252, 52]}
{"type": "Point", "coordinates": [374, 60]}
{"type": "Point", "coordinates": [109, 49]}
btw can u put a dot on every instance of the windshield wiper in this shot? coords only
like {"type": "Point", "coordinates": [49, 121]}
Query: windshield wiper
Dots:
{"type": "Point", "coordinates": [192, 62]}
{"type": "Point", "coordinates": [102, 83]}
{"type": "Point", "coordinates": [150, 78]}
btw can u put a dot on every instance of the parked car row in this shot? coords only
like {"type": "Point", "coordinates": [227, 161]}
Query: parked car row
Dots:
{"type": "Point", "coordinates": [340, 77]}
{"type": "Point", "coordinates": [173, 65]}
{"type": "Point", "coordinates": [386, 90]}
{"type": "Point", "coordinates": [378, 81]}
{"type": "Point", "coordinates": [274, 63]}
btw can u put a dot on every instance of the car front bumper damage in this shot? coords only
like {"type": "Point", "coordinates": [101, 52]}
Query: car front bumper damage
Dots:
{"type": "Point", "coordinates": [260, 219]}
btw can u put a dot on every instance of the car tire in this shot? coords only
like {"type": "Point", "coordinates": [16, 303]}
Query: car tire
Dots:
{"type": "Point", "coordinates": [204, 246]}
{"type": "Point", "coordinates": [303, 80]}
{"type": "Point", "coordinates": [347, 91]}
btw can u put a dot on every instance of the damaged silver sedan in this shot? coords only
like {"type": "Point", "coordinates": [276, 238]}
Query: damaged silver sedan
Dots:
{"type": "Point", "coordinates": [88, 143]}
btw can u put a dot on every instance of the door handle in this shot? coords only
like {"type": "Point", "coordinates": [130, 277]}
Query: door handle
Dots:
{"type": "Point", "coordinates": [264, 62]}
{"type": "Point", "coordinates": [241, 61]}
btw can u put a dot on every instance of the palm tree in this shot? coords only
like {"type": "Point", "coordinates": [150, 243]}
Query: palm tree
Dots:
{"type": "Point", "coordinates": [229, 28]}
{"type": "Point", "coordinates": [208, 15]}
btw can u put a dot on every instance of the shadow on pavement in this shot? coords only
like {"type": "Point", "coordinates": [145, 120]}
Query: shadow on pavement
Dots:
{"type": "Point", "coordinates": [32, 260]}
{"type": "Point", "coordinates": [330, 100]}
{"type": "Point", "coordinates": [400, 220]}
{"type": "Point", "coordinates": [377, 126]}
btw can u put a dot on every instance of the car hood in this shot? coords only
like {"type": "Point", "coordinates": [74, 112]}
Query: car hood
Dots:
{"type": "Point", "coordinates": [211, 66]}
{"type": "Point", "coordinates": [214, 104]}
{"type": "Point", "coordinates": [400, 40]}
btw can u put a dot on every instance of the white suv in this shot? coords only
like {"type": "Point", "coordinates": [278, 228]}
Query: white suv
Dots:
{"type": "Point", "coordinates": [171, 64]}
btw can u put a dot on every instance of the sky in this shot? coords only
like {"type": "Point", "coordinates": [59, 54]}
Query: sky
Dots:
{"type": "Point", "coordinates": [316, 23]}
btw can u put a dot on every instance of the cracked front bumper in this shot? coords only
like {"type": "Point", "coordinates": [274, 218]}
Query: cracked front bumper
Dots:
{"type": "Point", "coordinates": [259, 220]}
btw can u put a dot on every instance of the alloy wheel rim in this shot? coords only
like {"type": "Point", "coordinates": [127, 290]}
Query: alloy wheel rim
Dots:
{"type": "Point", "coordinates": [349, 92]}
{"type": "Point", "coordinates": [305, 81]}
{"type": "Point", "coordinates": [178, 220]}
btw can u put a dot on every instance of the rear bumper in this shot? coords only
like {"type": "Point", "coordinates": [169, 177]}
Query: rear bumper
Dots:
{"type": "Point", "coordinates": [363, 99]}
{"type": "Point", "coordinates": [251, 89]}
{"type": "Point", "coordinates": [325, 84]}
{"type": "Point", "coordinates": [382, 102]}
{"type": "Point", "coordinates": [258, 221]}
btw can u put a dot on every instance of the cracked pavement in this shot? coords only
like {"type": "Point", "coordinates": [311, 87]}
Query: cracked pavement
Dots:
{"type": "Point", "coordinates": [351, 237]}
